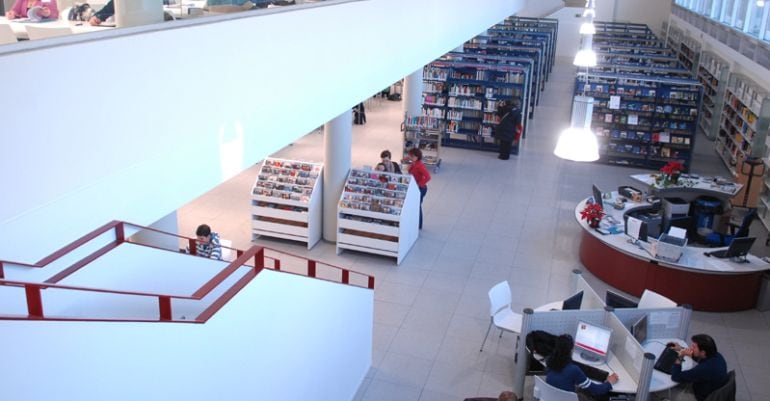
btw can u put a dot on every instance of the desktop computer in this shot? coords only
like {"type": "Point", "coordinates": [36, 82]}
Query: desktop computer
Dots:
{"type": "Point", "coordinates": [592, 342]}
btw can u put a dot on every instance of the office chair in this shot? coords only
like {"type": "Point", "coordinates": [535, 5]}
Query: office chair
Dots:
{"type": "Point", "coordinates": [726, 392]}
{"type": "Point", "coordinates": [500, 312]}
{"type": "Point", "coordinates": [719, 239]}
{"type": "Point", "coordinates": [547, 392]}
{"type": "Point", "coordinates": [651, 299]}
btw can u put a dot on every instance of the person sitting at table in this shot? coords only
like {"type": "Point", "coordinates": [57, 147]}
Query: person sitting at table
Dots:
{"type": "Point", "coordinates": [563, 374]}
{"type": "Point", "coordinates": [208, 243]}
{"type": "Point", "coordinates": [105, 12]}
{"type": "Point", "coordinates": [709, 374]}
{"type": "Point", "coordinates": [46, 9]}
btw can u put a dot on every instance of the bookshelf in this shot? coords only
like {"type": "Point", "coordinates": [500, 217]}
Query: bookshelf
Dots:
{"type": "Point", "coordinates": [713, 73]}
{"type": "Point", "coordinates": [642, 121]}
{"type": "Point", "coordinates": [501, 34]}
{"type": "Point", "coordinates": [689, 53]}
{"type": "Point", "coordinates": [378, 213]}
{"type": "Point", "coordinates": [744, 121]}
{"type": "Point", "coordinates": [424, 133]}
{"type": "Point", "coordinates": [538, 24]}
{"type": "Point", "coordinates": [286, 201]}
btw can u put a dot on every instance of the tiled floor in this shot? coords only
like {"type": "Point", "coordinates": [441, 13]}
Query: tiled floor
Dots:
{"type": "Point", "coordinates": [486, 220]}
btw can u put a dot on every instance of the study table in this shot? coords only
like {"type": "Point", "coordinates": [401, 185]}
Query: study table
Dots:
{"type": "Point", "coordinates": [626, 384]}
{"type": "Point", "coordinates": [20, 28]}
{"type": "Point", "coordinates": [662, 381]}
{"type": "Point", "coordinates": [706, 283]}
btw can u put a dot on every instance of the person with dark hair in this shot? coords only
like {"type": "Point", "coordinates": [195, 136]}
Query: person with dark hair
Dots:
{"type": "Point", "coordinates": [420, 174]}
{"type": "Point", "coordinates": [208, 243]}
{"type": "Point", "coordinates": [507, 129]}
{"type": "Point", "coordinates": [709, 374]}
{"type": "Point", "coordinates": [563, 374]}
{"type": "Point", "coordinates": [389, 165]}
{"type": "Point", "coordinates": [105, 12]}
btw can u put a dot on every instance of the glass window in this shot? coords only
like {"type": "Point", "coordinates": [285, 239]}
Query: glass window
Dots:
{"type": "Point", "coordinates": [727, 12]}
{"type": "Point", "coordinates": [716, 10]}
{"type": "Point", "coordinates": [755, 20]}
{"type": "Point", "coordinates": [706, 9]}
{"type": "Point", "coordinates": [740, 15]}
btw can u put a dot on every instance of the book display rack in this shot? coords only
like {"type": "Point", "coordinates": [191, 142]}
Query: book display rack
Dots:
{"type": "Point", "coordinates": [424, 133]}
{"type": "Point", "coordinates": [713, 73]}
{"type": "Point", "coordinates": [378, 213]}
{"type": "Point", "coordinates": [286, 201]}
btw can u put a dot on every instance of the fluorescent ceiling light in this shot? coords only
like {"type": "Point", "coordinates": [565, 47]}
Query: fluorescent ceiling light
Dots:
{"type": "Point", "coordinates": [587, 28]}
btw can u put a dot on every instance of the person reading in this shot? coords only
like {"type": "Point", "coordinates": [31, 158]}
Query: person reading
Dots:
{"type": "Point", "coordinates": [45, 9]}
{"type": "Point", "coordinates": [208, 243]}
{"type": "Point", "coordinates": [564, 374]}
{"type": "Point", "coordinates": [709, 373]}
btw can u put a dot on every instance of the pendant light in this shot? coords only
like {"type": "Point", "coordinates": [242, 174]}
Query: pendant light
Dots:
{"type": "Point", "coordinates": [578, 143]}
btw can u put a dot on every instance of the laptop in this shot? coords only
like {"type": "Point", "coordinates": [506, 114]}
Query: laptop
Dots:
{"type": "Point", "coordinates": [739, 247]}
{"type": "Point", "coordinates": [665, 362]}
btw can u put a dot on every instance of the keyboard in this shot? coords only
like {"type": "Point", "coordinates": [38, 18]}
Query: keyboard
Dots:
{"type": "Point", "coordinates": [720, 254]}
{"type": "Point", "coordinates": [592, 372]}
{"type": "Point", "coordinates": [666, 360]}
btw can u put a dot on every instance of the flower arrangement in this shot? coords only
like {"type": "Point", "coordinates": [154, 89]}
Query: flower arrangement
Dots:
{"type": "Point", "coordinates": [669, 174]}
{"type": "Point", "coordinates": [593, 213]}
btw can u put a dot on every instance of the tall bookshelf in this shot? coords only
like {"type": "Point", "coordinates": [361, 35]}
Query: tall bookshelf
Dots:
{"type": "Point", "coordinates": [744, 121]}
{"type": "Point", "coordinates": [540, 24]}
{"type": "Point", "coordinates": [689, 53]}
{"type": "Point", "coordinates": [378, 213]}
{"type": "Point", "coordinates": [423, 133]}
{"type": "Point", "coordinates": [642, 121]}
{"type": "Point", "coordinates": [286, 201]}
{"type": "Point", "coordinates": [713, 73]}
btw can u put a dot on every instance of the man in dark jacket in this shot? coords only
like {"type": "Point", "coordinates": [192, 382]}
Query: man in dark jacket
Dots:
{"type": "Point", "coordinates": [709, 374]}
{"type": "Point", "coordinates": [505, 132]}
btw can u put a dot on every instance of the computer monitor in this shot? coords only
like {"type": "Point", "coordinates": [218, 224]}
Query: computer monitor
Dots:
{"type": "Point", "coordinates": [573, 302]}
{"type": "Point", "coordinates": [636, 229]}
{"type": "Point", "coordinates": [598, 196]}
{"type": "Point", "coordinates": [639, 329]}
{"type": "Point", "coordinates": [592, 341]}
{"type": "Point", "coordinates": [618, 301]}
{"type": "Point", "coordinates": [740, 247]}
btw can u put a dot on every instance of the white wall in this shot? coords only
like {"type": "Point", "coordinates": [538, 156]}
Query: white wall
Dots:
{"type": "Point", "coordinates": [283, 337]}
{"type": "Point", "coordinates": [569, 31]}
{"type": "Point", "coordinates": [539, 9]}
{"type": "Point", "coordinates": [649, 12]}
{"type": "Point", "coordinates": [132, 127]}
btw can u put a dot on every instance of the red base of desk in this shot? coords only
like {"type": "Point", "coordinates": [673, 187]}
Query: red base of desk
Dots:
{"type": "Point", "coordinates": [704, 291]}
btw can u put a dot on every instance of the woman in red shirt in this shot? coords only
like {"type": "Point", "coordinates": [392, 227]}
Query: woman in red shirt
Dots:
{"type": "Point", "coordinates": [420, 174]}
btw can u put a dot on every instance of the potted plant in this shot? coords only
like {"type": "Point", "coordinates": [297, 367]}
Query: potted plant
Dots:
{"type": "Point", "coordinates": [669, 174]}
{"type": "Point", "coordinates": [592, 213]}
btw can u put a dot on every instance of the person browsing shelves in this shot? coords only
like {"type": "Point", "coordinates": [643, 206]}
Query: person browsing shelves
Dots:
{"type": "Point", "coordinates": [105, 12]}
{"type": "Point", "coordinates": [710, 372]}
{"type": "Point", "coordinates": [507, 130]}
{"type": "Point", "coordinates": [389, 165]}
{"type": "Point", "coordinates": [47, 9]}
{"type": "Point", "coordinates": [208, 243]}
{"type": "Point", "coordinates": [420, 174]}
{"type": "Point", "coordinates": [562, 373]}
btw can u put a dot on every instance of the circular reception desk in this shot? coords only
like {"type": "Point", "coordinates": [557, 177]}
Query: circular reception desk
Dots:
{"type": "Point", "coordinates": [707, 283]}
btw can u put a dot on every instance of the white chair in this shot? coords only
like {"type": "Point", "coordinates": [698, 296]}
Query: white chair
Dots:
{"type": "Point", "coordinates": [227, 252]}
{"type": "Point", "coordinates": [500, 312]}
{"type": "Point", "coordinates": [6, 34]}
{"type": "Point", "coordinates": [651, 299]}
{"type": "Point", "coordinates": [546, 392]}
{"type": "Point", "coordinates": [39, 32]}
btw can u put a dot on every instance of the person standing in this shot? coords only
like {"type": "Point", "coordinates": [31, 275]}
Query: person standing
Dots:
{"type": "Point", "coordinates": [390, 166]}
{"type": "Point", "coordinates": [709, 374]}
{"type": "Point", "coordinates": [506, 130]}
{"type": "Point", "coordinates": [420, 174]}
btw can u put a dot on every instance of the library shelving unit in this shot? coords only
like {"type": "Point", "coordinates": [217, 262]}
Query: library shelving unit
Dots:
{"type": "Point", "coordinates": [286, 201]}
{"type": "Point", "coordinates": [637, 59]}
{"type": "Point", "coordinates": [524, 39]}
{"type": "Point", "coordinates": [546, 35]}
{"type": "Point", "coordinates": [713, 73]}
{"type": "Point", "coordinates": [537, 24]}
{"type": "Point", "coordinates": [423, 133]}
{"type": "Point", "coordinates": [744, 122]}
{"type": "Point", "coordinates": [472, 91]}
{"type": "Point", "coordinates": [642, 121]}
{"type": "Point", "coordinates": [630, 69]}
{"type": "Point", "coordinates": [378, 213]}
{"type": "Point", "coordinates": [627, 28]}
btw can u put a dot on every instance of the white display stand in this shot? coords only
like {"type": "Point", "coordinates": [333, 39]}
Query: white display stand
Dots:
{"type": "Point", "coordinates": [286, 201]}
{"type": "Point", "coordinates": [378, 213]}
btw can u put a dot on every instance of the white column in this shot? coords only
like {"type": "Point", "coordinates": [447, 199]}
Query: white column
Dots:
{"type": "Point", "coordinates": [167, 224]}
{"type": "Point", "coordinates": [338, 137]}
{"type": "Point", "coordinates": [413, 93]}
{"type": "Point", "coordinates": [134, 13]}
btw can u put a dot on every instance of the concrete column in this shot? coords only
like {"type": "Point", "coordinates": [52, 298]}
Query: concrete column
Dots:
{"type": "Point", "coordinates": [338, 138]}
{"type": "Point", "coordinates": [413, 93]}
{"type": "Point", "coordinates": [167, 224]}
{"type": "Point", "coordinates": [135, 13]}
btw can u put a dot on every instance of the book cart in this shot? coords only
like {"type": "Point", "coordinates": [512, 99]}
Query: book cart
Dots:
{"type": "Point", "coordinates": [286, 201]}
{"type": "Point", "coordinates": [423, 133]}
{"type": "Point", "coordinates": [472, 92]}
{"type": "Point", "coordinates": [378, 213]}
{"type": "Point", "coordinates": [713, 73]}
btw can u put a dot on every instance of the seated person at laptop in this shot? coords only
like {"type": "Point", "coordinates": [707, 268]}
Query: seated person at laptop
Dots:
{"type": "Point", "coordinates": [709, 374]}
{"type": "Point", "coordinates": [105, 12]}
{"type": "Point", "coordinates": [562, 373]}
{"type": "Point", "coordinates": [46, 10]}
{"type": "Point", "coordinates": [208, 243]}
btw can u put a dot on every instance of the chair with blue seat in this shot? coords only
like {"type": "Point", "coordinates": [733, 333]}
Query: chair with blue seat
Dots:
{"type": "Point", "coordinates": [719, 239]}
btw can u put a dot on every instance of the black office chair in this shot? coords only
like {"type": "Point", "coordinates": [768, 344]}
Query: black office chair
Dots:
{"type": "Point", "coordinates": [719, 239]}
{"type": "Point", "coordinates": [726, 392]}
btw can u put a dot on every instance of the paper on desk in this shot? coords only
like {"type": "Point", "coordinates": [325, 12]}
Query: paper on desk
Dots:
{"type": "Point", "coordinates": [677, 232]}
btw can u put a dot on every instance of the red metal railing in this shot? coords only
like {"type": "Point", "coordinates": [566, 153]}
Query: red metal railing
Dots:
{"type": "Point", "coordinates": [33, 291]}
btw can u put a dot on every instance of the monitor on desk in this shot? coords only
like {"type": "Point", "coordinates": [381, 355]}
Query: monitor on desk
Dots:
{"type": "Point", "coordinates": [639, 329]}
{"type": "Point", "coordinates": [573, 302]}
{"type": "Point", "coordinates": [618, 301]}
{"type": "Point", "coordinates": [598, 196]}
{"type": "Point", "coordinates": [592, 342]}
{"type": "Point", "coordinates": [739, 248]}
{"type": "Point", "coordinates": [636, 229]}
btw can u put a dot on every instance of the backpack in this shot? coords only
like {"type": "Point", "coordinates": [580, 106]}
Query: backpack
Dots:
{"type": "Point", "coordinates": [80, 12]}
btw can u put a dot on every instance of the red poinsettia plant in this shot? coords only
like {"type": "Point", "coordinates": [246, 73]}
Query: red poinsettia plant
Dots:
{"type": "Point", "coordinates": [672, 168]}
{"type": "Point", "coordinates": [592, 212]}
